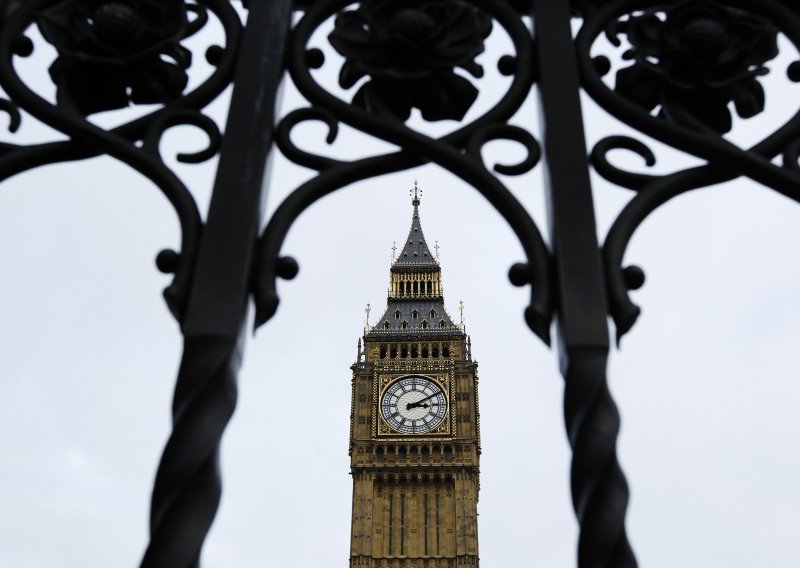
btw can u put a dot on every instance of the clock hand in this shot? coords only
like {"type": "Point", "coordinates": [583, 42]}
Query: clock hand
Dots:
{"type": "Point", "coordinates": [428, 397]}
{"type": "Point", "coordinates": [419, 404]}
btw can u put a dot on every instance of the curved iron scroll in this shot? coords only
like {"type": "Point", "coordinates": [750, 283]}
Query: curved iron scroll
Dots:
{"type": "Point", "coordinates": [458, 152]}
{"type": "Point", "coordinates": [669, 93]}
{"type": "Point", "coordinates": [112, 55]}
{"type": "Point", "coordinates": [81, 75]}
{"type": "Point", "coordinates": [747, 32]}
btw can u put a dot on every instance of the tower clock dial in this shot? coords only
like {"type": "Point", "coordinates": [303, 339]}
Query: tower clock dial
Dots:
{"type": "Point", "coordinates": [414, 405]}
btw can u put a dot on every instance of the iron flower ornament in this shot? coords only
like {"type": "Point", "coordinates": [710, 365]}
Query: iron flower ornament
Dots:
{"type": "Point", "coordinates": [118, 52]}
{"type": "Point", "coordinates": [410, 49]}
{"type": "Point", "coordinates": [695, 60]}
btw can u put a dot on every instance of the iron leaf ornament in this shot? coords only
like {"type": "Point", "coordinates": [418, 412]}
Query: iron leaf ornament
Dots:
{"type": "Point", "coordinates": [114, 53]}
{"type": "Point", "coordinates": [695, 57]}
{"type": "Point", "coordinates": [410, 49]}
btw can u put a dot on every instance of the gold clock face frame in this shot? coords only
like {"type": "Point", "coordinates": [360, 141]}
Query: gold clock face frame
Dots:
{"type": "Point", "coordinates": [399, 391]}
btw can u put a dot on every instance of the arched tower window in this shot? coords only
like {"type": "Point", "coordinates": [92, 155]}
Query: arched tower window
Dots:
{"type": "Point", "coordinates": [442, 324]}
{"type": "Point", "coordinates": [386, 325]}
{"type": "Point", "coordinates": [397, 314]}
{"type": "Point", "coordinates": [404, 325]}
{"type": "Point", "coordinates": [433, 314]}
{"type": "Point", "coordinates": [415, 314]}
{"type": "Point", "coordinates": [424, 324]}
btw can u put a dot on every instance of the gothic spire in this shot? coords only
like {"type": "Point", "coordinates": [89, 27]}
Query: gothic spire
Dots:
{"type": "Point", "coordinates": [416, 296]}
{"type": "Point", "coordinates": [415, 250]}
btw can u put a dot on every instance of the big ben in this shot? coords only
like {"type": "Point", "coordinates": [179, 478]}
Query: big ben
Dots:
{"type": "Point", "coordinates": [415, 436]}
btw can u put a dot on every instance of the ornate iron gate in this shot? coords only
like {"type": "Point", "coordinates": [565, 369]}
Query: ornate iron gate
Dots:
{"type": "Point", "coordinates": [690, 61]}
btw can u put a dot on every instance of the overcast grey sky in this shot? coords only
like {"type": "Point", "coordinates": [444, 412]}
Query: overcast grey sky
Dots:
{"type": "Point", "coordinates": [707, 382]}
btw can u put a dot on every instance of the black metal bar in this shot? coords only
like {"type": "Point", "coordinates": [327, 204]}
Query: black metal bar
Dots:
{"type": "Point", "coordinates": [599, 489]}
{"type": "Point", "coordinates": [188, 485]}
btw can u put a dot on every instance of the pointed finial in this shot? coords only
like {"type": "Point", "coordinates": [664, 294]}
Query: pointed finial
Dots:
{"type": "Point", "coordinates": [436, 248]}
{"type": "Point", "coordinates": [461, 309]}
{"type": "Point", "coordinates": [368, 311]}
{"type": "Point", "coordinates": [416, 193]}
{"type": "Point", "coordinates": [394, 251]}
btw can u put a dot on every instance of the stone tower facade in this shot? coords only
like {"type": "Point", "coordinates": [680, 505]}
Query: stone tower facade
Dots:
{"type": "Point", "coordinates": [415, 435]}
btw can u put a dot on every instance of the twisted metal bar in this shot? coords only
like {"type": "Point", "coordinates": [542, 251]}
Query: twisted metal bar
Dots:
{"type": "Point", "coordinates": [188, 484]}
{"type": "Point", "coordinates": [599, 488]}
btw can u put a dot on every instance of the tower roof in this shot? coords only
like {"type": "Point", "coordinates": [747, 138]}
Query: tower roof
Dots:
{"type": "Point", "coordinates": [415, 251]}
{"type": "Point", "coordinates": [416, 303]}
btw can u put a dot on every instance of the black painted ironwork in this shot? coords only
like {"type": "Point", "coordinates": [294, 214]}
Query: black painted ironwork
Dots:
{"type": "Point", "coordinates": [690, 60]}
{"type": "Point", "coordinates": [458, 152]}
{"type": "Point", "coordinates": [187, 487]}
{"type": "Point", "coordinates": [599, 489]}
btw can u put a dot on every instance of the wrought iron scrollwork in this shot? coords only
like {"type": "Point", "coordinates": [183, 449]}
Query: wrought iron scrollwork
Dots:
{"type": "Point", "coordinates": [409, 53]}
{"type": "Point", "coordinates": [693, 63]}
{"type": "Point", "coordinates": [111, 55]}
{"type": "Point", "coordinates": [690, 61]}
{"type": "Point", "coordinates": [14, 116]}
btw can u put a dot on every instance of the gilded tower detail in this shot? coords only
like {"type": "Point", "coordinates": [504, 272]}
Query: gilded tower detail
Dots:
{"type": "Point", "coordinates": [415, 436]}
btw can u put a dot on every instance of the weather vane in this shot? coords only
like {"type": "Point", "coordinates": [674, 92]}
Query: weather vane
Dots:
{"type": "Point", "coordinates": [436, 248]}
{"type": "Point", "coordinates": [461, 309]}
{"type": "Point", "coordinates": [368, 310]}
{"type": "Point", "coordinates": [394, 251]}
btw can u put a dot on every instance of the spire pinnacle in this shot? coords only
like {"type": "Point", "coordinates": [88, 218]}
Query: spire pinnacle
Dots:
{"type": "Point", "coordinates": [415, 294]}
{"type": "Point", "coordinates": [416, 193]}
{"type": "Point", "coordinates": [415, 251]}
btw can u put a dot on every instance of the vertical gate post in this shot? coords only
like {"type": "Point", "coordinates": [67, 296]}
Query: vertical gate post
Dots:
{"type": "Point", "coordinates": [188, 485]}
{"type": "Point", "coordinates": [599, 489]}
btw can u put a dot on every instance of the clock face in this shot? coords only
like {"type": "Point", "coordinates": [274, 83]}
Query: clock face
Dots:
{"type": "Point", "coordinates": [414, 405]}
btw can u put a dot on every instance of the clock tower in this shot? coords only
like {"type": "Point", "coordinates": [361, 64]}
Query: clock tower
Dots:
{"type": "Point", "coordinates": [414, 433]}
